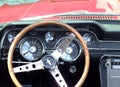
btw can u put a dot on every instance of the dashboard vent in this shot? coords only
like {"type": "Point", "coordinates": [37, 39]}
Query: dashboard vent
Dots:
{"type": "Point", "coordinates": [88, 17]}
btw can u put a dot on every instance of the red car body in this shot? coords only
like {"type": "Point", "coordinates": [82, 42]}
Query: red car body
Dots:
{"type": "Point", "coordinates": [10, 13]}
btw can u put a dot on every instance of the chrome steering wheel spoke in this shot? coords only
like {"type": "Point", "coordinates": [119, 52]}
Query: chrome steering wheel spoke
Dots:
{"type": "Point", "coordinates": [58, 77]}
{"type": "Point", "coordinates": [29, 67]}
{"type": "Point", "coordinates": [60, 49]}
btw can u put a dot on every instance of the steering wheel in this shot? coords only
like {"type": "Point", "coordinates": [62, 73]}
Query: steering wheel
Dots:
{"type": "Point", "coordinates": [48, 62]}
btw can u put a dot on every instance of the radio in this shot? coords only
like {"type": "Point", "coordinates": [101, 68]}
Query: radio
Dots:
{"type": "Point", "coordinates": [110, 71]}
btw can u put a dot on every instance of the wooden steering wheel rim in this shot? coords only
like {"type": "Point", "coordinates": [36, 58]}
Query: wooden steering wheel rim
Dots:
{"type": "Point", "coordinates": [38, 24]}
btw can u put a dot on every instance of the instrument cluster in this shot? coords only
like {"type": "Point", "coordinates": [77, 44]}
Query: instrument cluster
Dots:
{"type": "Point", "coordinates": [35, 44]}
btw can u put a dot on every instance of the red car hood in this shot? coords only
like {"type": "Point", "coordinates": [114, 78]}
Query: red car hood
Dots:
{"type": "Point", "coordinates": [42, 8]}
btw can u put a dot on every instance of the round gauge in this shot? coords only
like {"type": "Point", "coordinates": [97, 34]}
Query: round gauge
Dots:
{"type": "Point", "coordinates": [72, 52]}
{"type": "Point", "coordinates": [50, 37]}
{"type": "Point", "coordinates": [31, 49]}
{"type": "Point", "coordinates": [11, 36]}
{"type": "Point", "coordinates": [88, 38]}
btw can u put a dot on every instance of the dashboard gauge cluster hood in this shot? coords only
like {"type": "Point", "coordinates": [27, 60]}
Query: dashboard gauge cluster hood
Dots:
{"type": "Point", "coordinates": [47, 8]}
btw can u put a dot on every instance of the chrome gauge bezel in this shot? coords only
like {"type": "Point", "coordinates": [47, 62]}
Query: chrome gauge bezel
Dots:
{"type": "Point", "coordinates": [79, 53]}
{"type": "Point", "coordinates": [11, 35]}
{"type": "Point", "coordinates": [27, 38]}
{"type": "Point", "coordinates": [91, 38]}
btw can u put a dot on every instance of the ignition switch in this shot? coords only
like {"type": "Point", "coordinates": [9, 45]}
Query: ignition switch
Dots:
{"type": "Point", "coordinates": [72, 69]}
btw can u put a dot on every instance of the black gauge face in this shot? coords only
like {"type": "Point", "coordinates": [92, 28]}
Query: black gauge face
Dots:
{"type": "Point", "coordinates": [11, 36]}
{"type": "Point", "coordinates": [72, 52]}
{"type": "Point", "coordinates": [31, 49]}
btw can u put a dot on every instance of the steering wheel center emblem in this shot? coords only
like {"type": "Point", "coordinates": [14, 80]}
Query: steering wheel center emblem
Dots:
{"type": "Point", "coordinates": [49, 62]}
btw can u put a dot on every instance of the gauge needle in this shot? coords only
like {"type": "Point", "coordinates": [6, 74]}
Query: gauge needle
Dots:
{"type": "Point", "coordinates": [26, 53]}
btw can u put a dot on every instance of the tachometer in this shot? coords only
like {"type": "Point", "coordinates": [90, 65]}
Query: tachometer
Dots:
{"type": "Point", "coordinates": [31, 49]}
{"type": "Point", "coordinates": [72, 52]}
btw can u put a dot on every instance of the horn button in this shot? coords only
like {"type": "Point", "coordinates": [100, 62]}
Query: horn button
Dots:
{"type": "Point", "coordinates": [49, 62]}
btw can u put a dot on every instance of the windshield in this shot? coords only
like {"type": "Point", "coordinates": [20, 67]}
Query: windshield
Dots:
{"type": "Point", "coordinates": [12, 10]}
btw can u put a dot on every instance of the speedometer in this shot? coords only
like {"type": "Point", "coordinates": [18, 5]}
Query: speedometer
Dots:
{"type": "Point", "coordinates": [72, 52]}
{"type": "Point", "coordinates": [31, 49]}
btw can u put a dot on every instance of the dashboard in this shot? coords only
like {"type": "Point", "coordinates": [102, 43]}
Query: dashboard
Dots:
{"type": "Point", "coordinates": [101, 36]}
